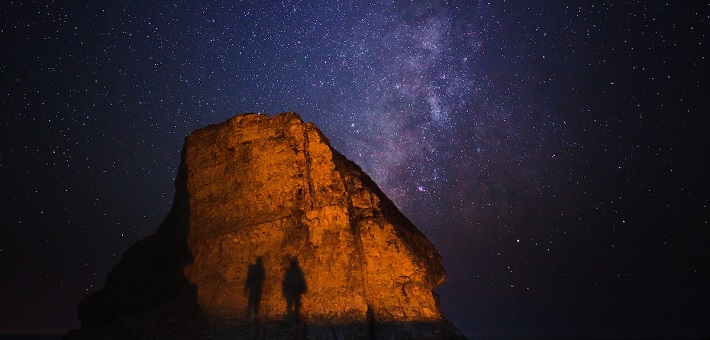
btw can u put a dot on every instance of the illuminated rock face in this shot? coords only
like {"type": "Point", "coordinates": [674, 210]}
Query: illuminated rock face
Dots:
{"type": "Point", "coordinates": [272, 226]}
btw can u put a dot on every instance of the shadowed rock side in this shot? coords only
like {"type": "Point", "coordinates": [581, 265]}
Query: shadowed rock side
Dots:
{"type": "Point", "coordinates": [147, 294]}
{"type": "Point", "coordinates": [274, 234]}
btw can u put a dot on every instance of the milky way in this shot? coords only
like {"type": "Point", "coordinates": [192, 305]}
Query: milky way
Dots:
{"type": "Point", "coordinates": [552, 152]}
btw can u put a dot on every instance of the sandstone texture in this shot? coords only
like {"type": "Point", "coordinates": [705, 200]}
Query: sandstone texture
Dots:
{"type": "Point", "coordinates": [272, 234]}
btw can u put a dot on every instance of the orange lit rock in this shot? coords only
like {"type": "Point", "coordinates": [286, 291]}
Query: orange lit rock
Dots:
{"type": "Point", "coordinates": [273, 233]}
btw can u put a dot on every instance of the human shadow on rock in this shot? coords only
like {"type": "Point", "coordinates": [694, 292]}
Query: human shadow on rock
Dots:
{"type": "Point", "coordinates": [292, 288]}
{"type": "Point", "coordinates": [253, 287]}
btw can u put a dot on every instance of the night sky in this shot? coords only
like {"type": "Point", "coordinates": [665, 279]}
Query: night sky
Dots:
{"type": "Point", "coordinates": [554, 152]}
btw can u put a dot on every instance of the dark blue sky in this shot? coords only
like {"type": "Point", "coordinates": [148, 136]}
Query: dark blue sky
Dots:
{"type": "Point", "coordinates": [555, 153]}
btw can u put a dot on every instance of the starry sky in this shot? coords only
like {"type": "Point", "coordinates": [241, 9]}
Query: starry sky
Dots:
{"type": "Point", "coordinates": [554, 152]}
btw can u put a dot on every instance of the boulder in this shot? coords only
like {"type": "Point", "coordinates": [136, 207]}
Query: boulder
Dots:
{"type": "Point", "coordinates": [274, 234]}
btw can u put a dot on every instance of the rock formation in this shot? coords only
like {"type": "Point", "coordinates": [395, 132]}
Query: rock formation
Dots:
{"type": "Point", "coordinates": [272, 234]}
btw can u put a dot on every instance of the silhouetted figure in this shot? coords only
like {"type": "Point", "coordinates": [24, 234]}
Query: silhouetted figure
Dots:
{"type": "Point", "coordinates": [292, 287]}
{"type": "Point", "coordinates": [254, 286]}
{"type": "Point", "coordinates": [371, 330]}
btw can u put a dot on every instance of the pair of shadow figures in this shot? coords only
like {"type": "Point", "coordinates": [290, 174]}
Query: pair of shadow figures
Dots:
{"type": "Point", "coordinates": [293, 287]}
